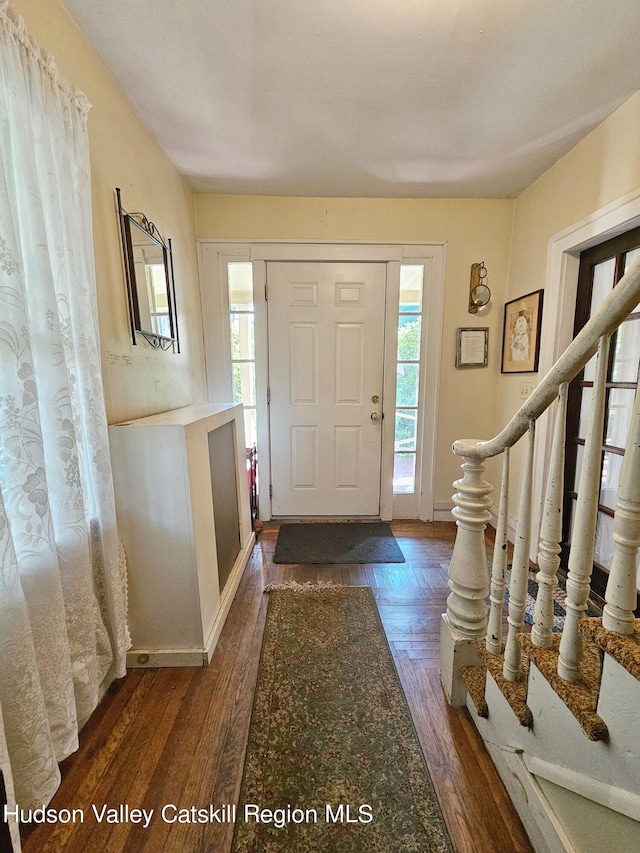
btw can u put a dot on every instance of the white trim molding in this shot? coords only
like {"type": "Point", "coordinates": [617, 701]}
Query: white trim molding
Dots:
{"type": "Point", "coordinates": [213, 256]}
{"type": "Point", "coordinates": [563, 262]}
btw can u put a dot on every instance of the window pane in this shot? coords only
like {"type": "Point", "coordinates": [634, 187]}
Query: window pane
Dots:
{"type": "Point", "coordinates": [585, 408]}
{"type": "Point", "coordinates": [627, 352]}
{"type": "Point", "coordinates": [611, 465]}
{"type": "Point", "coordinates": [240, 286]}
{"type": "Point", "coordinates": [603, 278]}
{"type": "Point", "coordinates": [242, 337]}
{"type": "Point", "coordinates": [630, 257]}
{"type": "Point", "coordinates": [572, 518]}
{"type": "Point", "coordinates": [619, 416]}
{"type": "Point", "coordinates": [244, 384]}
{"type": "Point", "coordinates": [590, 369]}
{"type": "Point", "coordinates": [603, 546]}
{"type": "Point", "coordinates": [404, 473]}
{"type": "Point", "coordinates": [411, 280]}
{"type": "Point", "coordinates": [250, 429]}
{"type": "Point", "coordinates": [407, 384]}
{"type": "Point", "coordinates": [409, 338]}
{"type": "Point", "coordinates": [406, 421]}
{"type": "Point", "coordinates": [579, 457]}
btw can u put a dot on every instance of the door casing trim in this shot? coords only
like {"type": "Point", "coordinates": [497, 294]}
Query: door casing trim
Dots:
{"type": "Point", "coordinates": [563, 262]}
{"type": "Point", "coordinates": [213, 256]}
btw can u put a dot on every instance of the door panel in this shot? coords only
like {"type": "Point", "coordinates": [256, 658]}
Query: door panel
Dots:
{"type": "Point", "coordinates": [601, 268]}
{"type": "Point", "coordinates": [326, 354]}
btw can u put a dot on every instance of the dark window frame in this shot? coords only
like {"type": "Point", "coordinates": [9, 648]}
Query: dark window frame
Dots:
{"type": "Point", "coordinates": [617, 248]}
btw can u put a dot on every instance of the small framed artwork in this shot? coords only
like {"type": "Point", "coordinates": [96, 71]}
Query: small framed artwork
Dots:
{"type": "Point", "coordinates": [473, 348]}
{"type": "Point", "coordinates": [521, 334]}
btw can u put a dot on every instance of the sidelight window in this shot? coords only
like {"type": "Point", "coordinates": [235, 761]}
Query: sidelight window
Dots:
{"type": "Point", "coordinates": [243, 351]}
{"type": "Point", "coordinates": [408, 370]}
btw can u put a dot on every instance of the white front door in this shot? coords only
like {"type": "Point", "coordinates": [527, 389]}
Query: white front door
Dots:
{"type": "Point", "coordinates": [326, 356]}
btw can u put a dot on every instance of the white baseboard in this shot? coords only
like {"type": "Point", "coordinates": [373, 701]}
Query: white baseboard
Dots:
{"type": "Point", "coordinates": [442, 511]}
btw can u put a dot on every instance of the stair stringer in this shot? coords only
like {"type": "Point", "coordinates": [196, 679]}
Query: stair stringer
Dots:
{"type": "Point", "coordinates": [502, 732]}
{"type": "Point", "coordinates": [618, 703]}
{"type": "Point", "coordinates": [557, 739]}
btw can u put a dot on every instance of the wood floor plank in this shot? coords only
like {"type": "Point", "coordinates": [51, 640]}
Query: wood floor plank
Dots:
{"type": "Point", "coordinates": [178, 736]}
{"type": "Point", "coordinates": [140, 762]}
{"type": "Point", "coordinates": [463, 778]}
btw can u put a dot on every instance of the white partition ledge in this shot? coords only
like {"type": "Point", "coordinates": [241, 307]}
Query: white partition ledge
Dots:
{"type": "Point", "coordinates": [182, 501]}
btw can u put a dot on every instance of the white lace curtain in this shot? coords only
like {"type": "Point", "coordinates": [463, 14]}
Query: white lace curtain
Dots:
{"type": "Point", "coordinates": [62, 581]}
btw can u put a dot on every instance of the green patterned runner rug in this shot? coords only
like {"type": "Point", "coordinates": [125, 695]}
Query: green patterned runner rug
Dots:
{"type": "Point", "coordinates": [333, 761]}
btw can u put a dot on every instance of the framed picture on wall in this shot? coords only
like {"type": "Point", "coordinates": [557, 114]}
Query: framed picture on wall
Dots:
{"type": "Point", "coordinates": [521, 333]}
{"type": "Point", "coordinates": [472, 348]}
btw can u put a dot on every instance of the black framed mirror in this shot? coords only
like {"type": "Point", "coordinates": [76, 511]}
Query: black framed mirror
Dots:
{"type": "Point", "coordinates": [148, 264]}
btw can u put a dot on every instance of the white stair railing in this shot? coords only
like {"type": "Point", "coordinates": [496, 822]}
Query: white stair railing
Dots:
{"type": "Point", "coordinates": [584, 526]}
{"type": "Point", "coordinates": [520, 568]}
{"type": "Point", "coordinates": [467, 615]}
{"type": "Point", "coordinates": [499, 564]}
{"type": "Point", "coordinates": [620, 594]}
{"type": "Point", "coordinates": [468, 573]}
{"type": "Point", "coordinates": [551, 531]}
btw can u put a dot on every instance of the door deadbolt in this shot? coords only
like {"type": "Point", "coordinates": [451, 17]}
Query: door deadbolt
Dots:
{"type": "Point", "coordinates": [375, 399]}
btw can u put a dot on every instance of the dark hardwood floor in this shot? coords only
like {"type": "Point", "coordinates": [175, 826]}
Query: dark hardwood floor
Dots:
{"type": "Point", "coordinates": [178, 736]}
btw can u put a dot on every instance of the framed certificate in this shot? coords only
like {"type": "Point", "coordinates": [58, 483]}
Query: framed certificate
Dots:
{"type": "Point", "coordinates": [473, 348]}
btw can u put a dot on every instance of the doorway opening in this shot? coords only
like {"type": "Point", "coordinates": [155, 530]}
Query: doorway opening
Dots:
{"type": "Point", "coordinates": [601, 268]}
{"type": "Point", "coordinates": [239, 335]}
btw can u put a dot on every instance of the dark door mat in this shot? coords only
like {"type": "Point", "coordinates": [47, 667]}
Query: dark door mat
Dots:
{"type": "Point", "coordinates": [337, 542]}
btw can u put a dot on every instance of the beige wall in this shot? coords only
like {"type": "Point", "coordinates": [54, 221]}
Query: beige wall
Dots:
{"type": "Point", "coordinates": [138, 379]}
{"type": "Point", "coordinates": [603, 167]}
{"type": "Point", "coordinates": [473, 230]}
{"type": "Point", "coordinates": [510, 236]}
{"type": "Point", "coordinates": [600, 169]}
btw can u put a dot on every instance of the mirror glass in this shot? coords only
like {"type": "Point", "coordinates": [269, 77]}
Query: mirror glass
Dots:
{"type": "Point", "coordinates": [480, 295]}
{"type": "Point", "coordinates": [150, 281]}
{"type": "Point", "coordinates": [150, 285]}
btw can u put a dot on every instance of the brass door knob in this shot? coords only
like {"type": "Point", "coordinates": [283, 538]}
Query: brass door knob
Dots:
{"type": "Point", "coordinates": [376, 417]}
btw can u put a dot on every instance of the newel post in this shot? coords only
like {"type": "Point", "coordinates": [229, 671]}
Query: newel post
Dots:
{"type": "Point", "coordinates": [466, 618]}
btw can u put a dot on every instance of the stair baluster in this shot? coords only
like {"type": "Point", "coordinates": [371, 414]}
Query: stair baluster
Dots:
{"type": "Point", "coordinates": [499, 565]}
{"type": "Point", "coordinates": [584, 527]}
{"type": "Point", "coordinates": [620, 594]}
{"type": "Point", "coordinates": [520, 568]}
{"type": "Point", "coordinates": [551, 531]}
{"type": "Point", "coordinates": [466, 618]}
{"type": "Point", "coordinates": [468, 571]}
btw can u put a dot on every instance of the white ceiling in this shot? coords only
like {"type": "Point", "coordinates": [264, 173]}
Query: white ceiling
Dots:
{"type": "Point", "coordinates": [406, 98]}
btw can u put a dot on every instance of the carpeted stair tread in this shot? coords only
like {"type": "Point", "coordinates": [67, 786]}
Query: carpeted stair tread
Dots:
{"type": "Point", "coordinates": [559, 597]}
{"type": "Point", "coordinates": [514, 692]}
{"type": "Point", "coordinates": [580, 698]}
{"type": "Point", "coordinates": [475, 679]}
{"type": "Point", "coordinates": [624, 649]}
